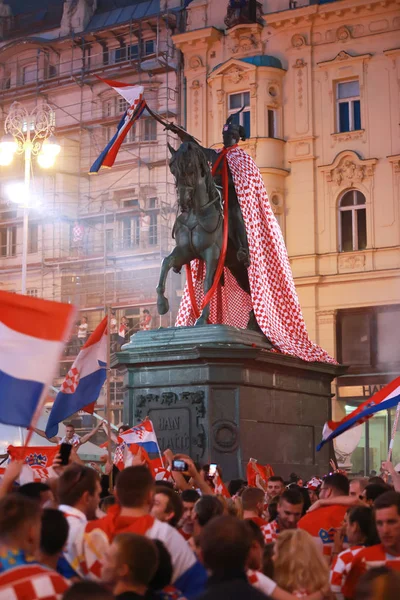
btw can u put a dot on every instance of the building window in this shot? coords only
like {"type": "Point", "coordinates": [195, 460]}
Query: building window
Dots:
{"type": "Point", "coordinates": [29, 74]}
{"type": "Point", "coordinates": [348, 106]}
{"type": "Point", "coordinates": [8, 241]}
{"type": "Point", "coordinates": [148, 47]}
{"type": "Point", "coordinates": [122, 105]}
{"type": "Point", "coordinates": [51, 71]}
{"type": "Point", "coordinates": [106, 54]}
{"type": "Point", "coordinates": [130, 232]}
{"type": "Point", "coordinates": [109, 240]}
{"type": "Point", "coordinates": [352, 222]}
{"type": "Point", "coordinates": [131, 135]}
{"type": "Point", "coordinates": [32, 292]}
{"type": "Point", "coordinates": [134, 51]}
{"type": "Point", "coordinates": [272, 124]}
{"type": "Point", "coordinates": [236, 102]}
{"type": "Point", "coordinates": [108, 107]}
{"type": "Point", "coordinates": [149, 129]}
{"type": "Point", "coordinates": [152, 202]}
{"type": "Point", "coordinates": [120, 54]}
{"type": "Point", "coordinates": [33, 238]}
{"type": "Point", "coordinates": [153, 230]}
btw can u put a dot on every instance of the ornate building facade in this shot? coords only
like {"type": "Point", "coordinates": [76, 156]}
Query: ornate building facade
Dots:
{"type": "Point", "coordinates": [319, 82]}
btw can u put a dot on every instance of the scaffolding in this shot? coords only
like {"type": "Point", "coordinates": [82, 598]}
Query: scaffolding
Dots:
{"type": "Point", "coordinates": [96, 241]}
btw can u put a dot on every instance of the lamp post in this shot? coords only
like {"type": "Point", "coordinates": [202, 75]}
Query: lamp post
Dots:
{"type": "Point", "coordinates": [30, 134]}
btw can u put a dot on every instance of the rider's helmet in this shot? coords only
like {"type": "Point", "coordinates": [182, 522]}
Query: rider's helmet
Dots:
{"type": "Point", "coordinates": [232, 131]}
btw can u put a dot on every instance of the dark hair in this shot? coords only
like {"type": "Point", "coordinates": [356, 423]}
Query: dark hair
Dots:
{"type": "Point", "coordinates": [206, 508]}
{"type": "Point", "coordinates": [190, 496]}
{"type": "Point", "coordinates": [87, 590]}
{"type": "Point", "coordinates": [305, 498]}
{"type": "Point", "coordinates": [33, 489]}
{"type": "Point", "coordinates": [54, 532]}
{"type": "Point", "coordinates": [140, 555]}
{"type": "Point", "coordinates": [15, 511]}
{"type": "Point", "coordinates": [255, 533]}
{"type": "Point", "coordinates": [368, 584]}
{"type": "Point", "coordinates": [164, 484]}
{"type": "Point", "coordinates": [163, 576]}
{"type": "Point", "coordinates": [292, 496]}
{"type": "Point", "coordinates": [235, 485]}
{"type": "Point", "coordinates": [364, 517]}
{"type": "Point", "coordinates": [146, 311]}
{"type": "Point", "coordinates": [387, 500]}
{"type": "Point", "coordinates": [174, 503]}
{"type": "Point", "coordinates": [124, 427]}
{"type": "Point", "coordinates": [225, 544]}
{"type": "Point", "coordinates": [338, 482]}
{"type": "Point", "coordinates": [374, 490]}
{"type": "Point", "coordinates": [276, 478]}
{"type": "Point", "coordinates": [273, 508]}
{"type": "Point", "coordinates": [133, 486]}
{"type": "Point", "coordinates": [376, 479]}
{"type": "Point", "coordinates": [70, 424]}
{"type": "Point", "coordinates": [252, 496]}
{"type": "Point", "coordinates": [74, 482]}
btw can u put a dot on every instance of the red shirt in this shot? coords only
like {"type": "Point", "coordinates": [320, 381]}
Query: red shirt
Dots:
{"type": "Point", "coordinates": [32, 582]}
{"type": "Point", "coordinates": [322, 524]}
{"type": "Point", "coordinates": [368, 558]}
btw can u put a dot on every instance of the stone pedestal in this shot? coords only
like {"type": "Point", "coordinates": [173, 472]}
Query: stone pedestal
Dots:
{"type": "Point", "coordinates": [217, 394]}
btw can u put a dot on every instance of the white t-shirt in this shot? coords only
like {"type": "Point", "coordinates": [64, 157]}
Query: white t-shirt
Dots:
{"type": "Point", "coordinates": [74, 441]}
{"type": "Point", "coordinates": [82, 330]}
{"type": "Point", "coordinates": [261, 582]}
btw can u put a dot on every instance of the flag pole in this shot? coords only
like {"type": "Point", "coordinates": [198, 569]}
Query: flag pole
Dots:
{"type": "Point", "coordinates": [108, 395]}
{"type": "Point", "coordinates": [394, 430]}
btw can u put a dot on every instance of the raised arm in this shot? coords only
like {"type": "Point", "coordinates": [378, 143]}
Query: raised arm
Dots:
{"type": "Point", "coordinates": [54, 440]}
{"type": "Point", "coordinates": [86, 438]}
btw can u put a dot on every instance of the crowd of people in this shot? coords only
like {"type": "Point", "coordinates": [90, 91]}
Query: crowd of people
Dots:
{"type": "Point", "coordinates": [128, 535]}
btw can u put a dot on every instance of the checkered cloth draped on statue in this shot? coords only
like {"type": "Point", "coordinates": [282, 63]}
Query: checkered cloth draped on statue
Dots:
{"type": "Point", "coordinates": [273, 294]}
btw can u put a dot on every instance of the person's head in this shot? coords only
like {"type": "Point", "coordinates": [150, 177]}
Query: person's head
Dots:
{"type": "Point", "coordinates": [146, 312]}
{"type": "Point", "coordinates": [253, 500]}
{"type": "Point", "coordinates": [122, 429]}
{"type": "Point", "coordinates": [87, 590]}
{"type": "Point", "coordinates": [167, 505]}
{"type": "Point", "coordinates": [232, 133]}
{"type": "Point", "coordinates": [205, 509]}
{"type": "Point", "coordinates": [290, 509]}
{"type": "Point", "coordinates": [357, 486]}
{"type": "Point", "coordinates": [54, 532]}
{"type": "Point", "coordinates": [189, 499]}
{"type": "Point", "coordinates": [360, 526]}
{"type": "Point", "coordinates": [20, 522]}
{"type": "Point", "coordinates": [275, 486]}
{"type": "Point", "coordinates": [135, 488]}
{"type": "Point", "coordinates": [256, 552]}
{"type": "Point", "coordinates": [379, 583]}
{"type": "Point", "coordinates": [131, 561]}
{"type": "Point", "coordinates": [38, 491]}
{"type": "Point", "coordinates": [387, 519]}
{"type": "Point", "coordinates": [83, 320]}
{"type": "Point", "coordinates": [163, 576]}
{"type": "Point", "coordinates": [235, 485]}
{"type": "Point", "coordinates": [373, 490]}
{"type": "Point", "coordinates": [313, 486]}
{"type": "Point", "coordinates": [79, 486]}
{"type": "Point", "coordinates": [69, 431]}
{"type": "Point", "coordinates": [299, 563]}
{"type": "Point", "coordinates": [225, 544]}
{"type": "Point", "coordinates": [334, 485]}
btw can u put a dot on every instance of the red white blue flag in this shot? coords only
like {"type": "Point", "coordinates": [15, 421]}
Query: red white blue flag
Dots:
{"type": "Point", "coordinates": [386, 398]}
{"type": "Point", "coordinates": [83, 382]}
{"type": "Point", "coordinates": [133, 94]}
{"type": "Point", "coordinates": [143, 435]}
{"type": "Point", "coordinates": [32, 337]}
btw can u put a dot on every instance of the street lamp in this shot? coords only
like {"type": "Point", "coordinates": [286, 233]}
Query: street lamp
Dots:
{"type": "Point", "coordinates": [30, 134]}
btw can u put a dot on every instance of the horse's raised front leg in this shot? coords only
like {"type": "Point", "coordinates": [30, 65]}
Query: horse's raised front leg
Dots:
{"type": "Point", "coordinates": [172, 261]}
{"type": "Point", "coordinates": [210, 257]}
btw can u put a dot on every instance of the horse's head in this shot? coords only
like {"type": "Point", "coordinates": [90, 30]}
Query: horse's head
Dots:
{"type": "Point", "coordinates": [188, 168]}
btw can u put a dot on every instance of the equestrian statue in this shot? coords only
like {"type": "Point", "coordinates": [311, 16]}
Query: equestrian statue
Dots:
{"type": "Point", "coordinates": [237, 267]}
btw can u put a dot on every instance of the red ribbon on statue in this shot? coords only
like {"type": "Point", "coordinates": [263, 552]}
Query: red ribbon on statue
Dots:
{"type": "Point", "coordinates": [221, 261]}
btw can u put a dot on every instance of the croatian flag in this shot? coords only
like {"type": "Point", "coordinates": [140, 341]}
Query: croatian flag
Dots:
{"type": "Point", "coordinates": [32, 337]}
{"type": "Point", "coordinates": [84, 380]}
{"type": "Point", "coordinates": [386, 398]}
{"type": "Point", "coordinates": [133, 94]}
{"type": "Point", "coordinates": [143, 435]}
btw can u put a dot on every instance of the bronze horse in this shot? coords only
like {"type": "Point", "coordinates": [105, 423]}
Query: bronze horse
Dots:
{"type": "Point", "coordinates": [198, 227]}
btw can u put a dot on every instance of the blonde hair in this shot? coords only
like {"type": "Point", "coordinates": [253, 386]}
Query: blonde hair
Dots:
{"type": "Point", "coordinates": [299, 565]}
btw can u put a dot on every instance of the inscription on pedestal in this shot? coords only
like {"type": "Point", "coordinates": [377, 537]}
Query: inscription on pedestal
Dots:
{"type": "Point", "coordinates": [173, 428]}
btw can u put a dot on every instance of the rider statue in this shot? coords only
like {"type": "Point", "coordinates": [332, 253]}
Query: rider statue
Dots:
{"type": "Point", "coordinates": [257, 280]}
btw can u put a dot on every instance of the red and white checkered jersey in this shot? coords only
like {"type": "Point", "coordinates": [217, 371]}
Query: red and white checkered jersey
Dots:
{"type": "Point", "coordinates": [340, 569]}
{"type": "Point", "coordinates": [261, 582]}
{"type": "Point", "coordinates": [322, 524]}
{"type": "Point", "coordinates": [32, 582]}
{"type": "Point", "coordinates": [368, 558]}
{"type": "Point", "coordinates": [270, 532]}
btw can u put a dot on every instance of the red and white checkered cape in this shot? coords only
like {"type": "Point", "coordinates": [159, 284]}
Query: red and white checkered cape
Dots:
{"type": "Point", "coordinates": [270, 532]}
{"type": "Point", "coordinates": [273, 293]}
{"type": "Point", "coordinates": [33, 582]}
